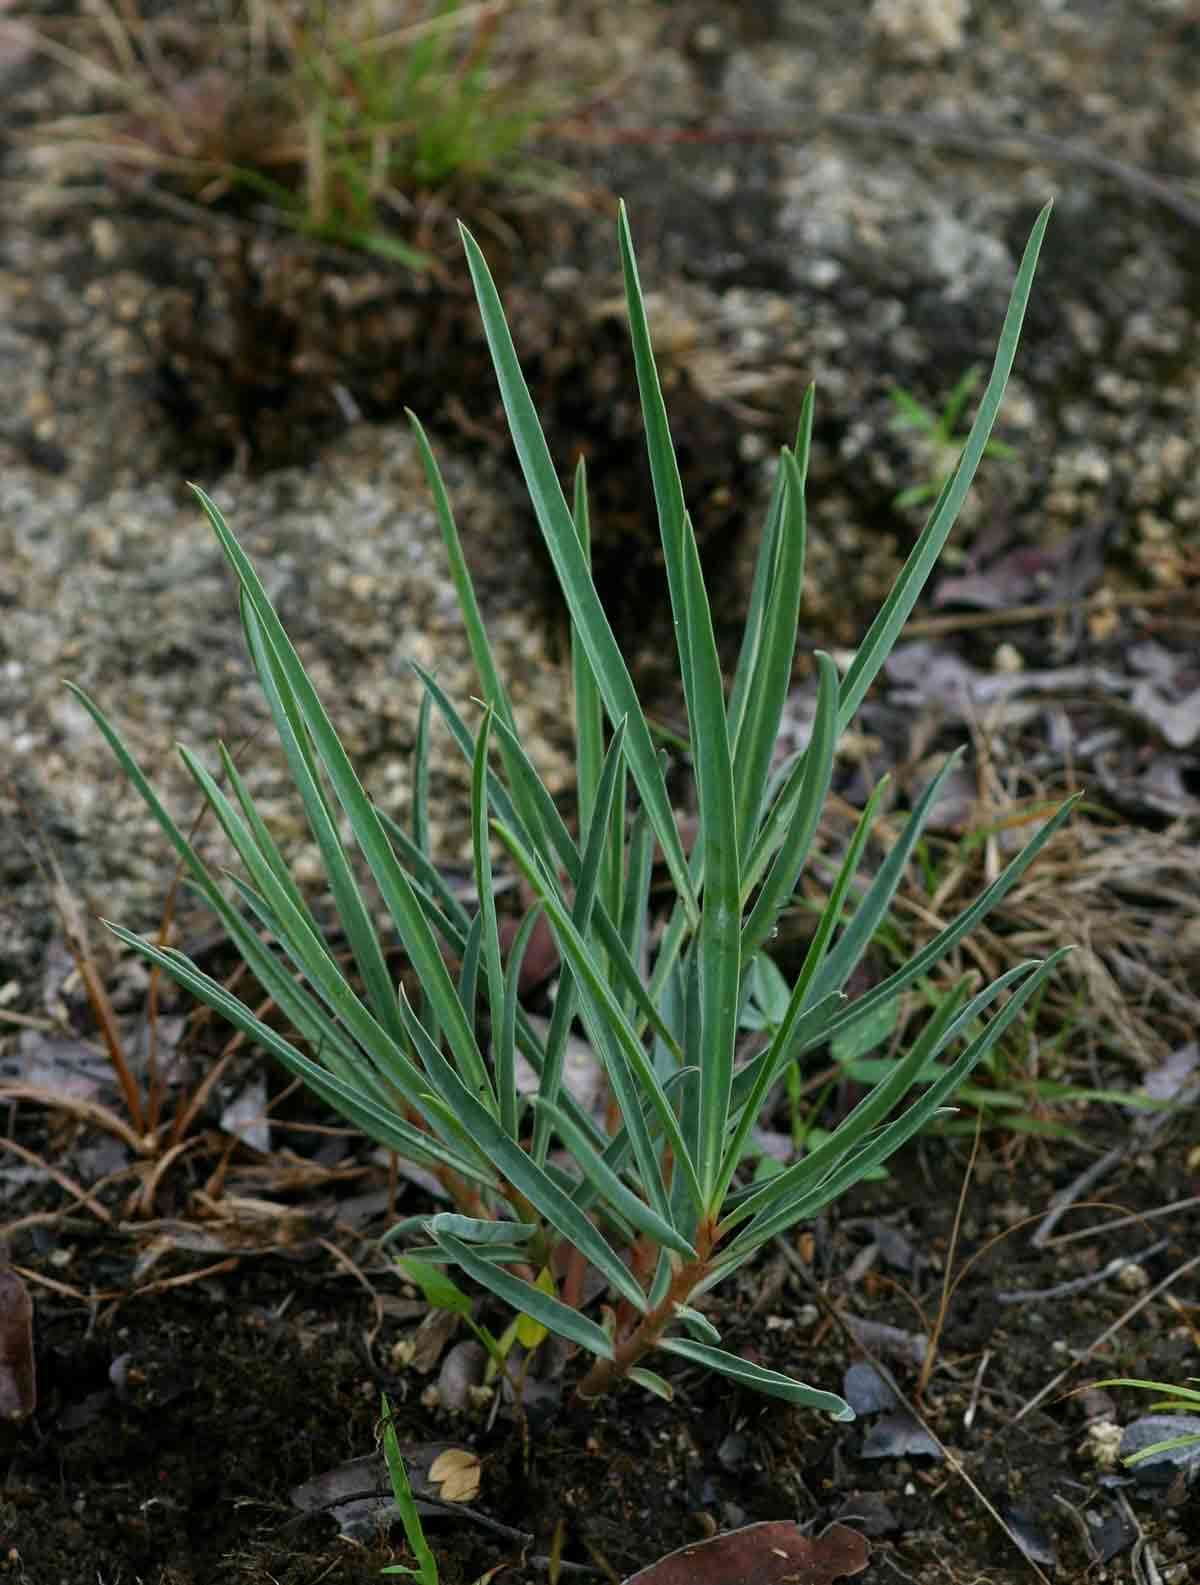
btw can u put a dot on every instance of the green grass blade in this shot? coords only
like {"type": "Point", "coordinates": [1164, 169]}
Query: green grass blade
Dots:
{"type": "Point", "coordinates": [885, 629]}
{"type": "Point", "coordinates": [871, 911]}
{"type": "Point", "coordinates": [562, 541]}
{"type": "Point", "coordinates": [581, 914]}
{"type": "Point", "coordinates": [609, 1188]}
{"type": "Point", "coordinates": [297, 1007]}
{"type": "Point", "coordinates": [910, 414]}
{"type": "Point", "coordinates": [589, 707]}
{"type": "Point", "coordinates": [802, 810]}
{"type": "Point", "coordinates": [478, 1230]}
{"type": "Point", "coordinates": [505, 1037]}
{"type": "Point", "coordinates": [297, 934]}
{"type": "Point", "coordinates": [263, 840]}
{"type": "Point", "coordinates": [377, 1122]}
{"type": "Point", "coordinates": [394, 885]}
{"type": "Point", "coordinates": [793, 1026]}
{"type": "Point", "coordinates": [787, 1205]}
{"type": "Point", "coordinates": [635, 916]}
{"type": "Point", "coordinates": [534, 795]}
{"type": "Point", "coordinates": [428, 880]}
{"type": "Point", "coordinates": [498, 795]}
{"type": "Point", "coordinates": [718, 947]}
{"type": "Point", "coordinates": [946, 940]}
{"type": "Point", "coordinates": [468, 974]}
{"type": "Point", "coordinates": [664, 470]}
{"type": "Point", "coordinates": [507, 1156]}
{"type": "Point", "coordinates": [490, 934]}
{"type": "Point", "coordinates": [870, 1112]}
{"type": "Point", "coordinates": [764, 572]}
{"type": "Point", "coordinates": [351, 907]}
{"type": "Point", "coordinates": [426, 1570]}
{"type": "Point", "coordinates": [608, 1027]}
{"type": "Point", "coordinates": [494, 691]}
{"type": "Point", "coordinates": [533, 803]}
{"type": "Point", "coordinates": [898, 1133]}
{"type": "Point", "coordinates": [755, 743]}
{"type": "Point", "coordinates": [831, 914]}
{"type": "Point", "coordinates": [535, 808]}
{"type": "Point", "coordinates": [420, 779]}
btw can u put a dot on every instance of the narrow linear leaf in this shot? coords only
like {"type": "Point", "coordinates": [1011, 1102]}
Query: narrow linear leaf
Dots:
{"type": "Point", "coordinates": [397, 890]}
{"type": "Point", "coordinates": [652, 1382]}
{"type": "Point", "coordinates": [562, 541]}
{"type": "Point", "coordinates": [718, 948]}
{"type": "Point", "coordinates": [529, 1300]}
{"type": "Point", "coordinates": [757, 1377]}
{"type": "Point", "coordinates": [946, 940]}
{"type": "Point", "coordinates": [610, 1188]}
{"type": "Point", "coordinates": [792, 824]}
{"type": "Point", "coordinates": [608, 1022]}
{"type": "Point", "coordinates": [494, 690]}
{"type": "Point", "coordinates": [518, 1168]}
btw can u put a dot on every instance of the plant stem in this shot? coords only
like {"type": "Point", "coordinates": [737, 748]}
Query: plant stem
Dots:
{"type": "Point", "coordinates": [629, 1350]}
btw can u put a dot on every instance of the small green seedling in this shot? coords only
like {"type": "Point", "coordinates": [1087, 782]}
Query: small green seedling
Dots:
{"type": "Point", "coordinates": [942, 442]}
{"type": "Point", "coordinates": [426, 1570]}
{"type": "Point", "coordinates": [1179, 1400]}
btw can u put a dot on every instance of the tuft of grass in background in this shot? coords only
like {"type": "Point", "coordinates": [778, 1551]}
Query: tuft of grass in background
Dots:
{"type": "Point", "coordinates": [939, 436]}
{"type": "Point", "coordinates": [334, 118]}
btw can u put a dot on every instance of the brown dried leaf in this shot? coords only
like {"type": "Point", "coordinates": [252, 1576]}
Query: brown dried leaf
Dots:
{"type": "Point", "coordinates": [18, 1385]}
{"type": "Point", "coordinates": [456, 1472]}
{"type": "Point", "coordinates": [772, 1553]}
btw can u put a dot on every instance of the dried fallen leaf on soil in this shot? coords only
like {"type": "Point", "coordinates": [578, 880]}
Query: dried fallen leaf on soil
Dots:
{"type": "Point", "coordinates": [773, 1553]}
{"type": "Point", "coordinates": [18, 1388]}
{"type": "Point", "coordinates": [456, 1474]}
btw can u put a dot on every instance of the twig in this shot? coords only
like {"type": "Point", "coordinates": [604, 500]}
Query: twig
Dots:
{"type": "Point", "coordinates": [523, 1538]}
{"type": "Point", "coordinates": [1111, 1331]}
{"type": "Point", "coordinates": [1019, 615]}
{"type": "Point", "coordinates": [949, 1283]}
{"type": "Point", "coordinates": [1062, 1289]}
{"type": "Point", "coordinates": [1189, 1204]}
{"type": "Point", "coordinates": [1143, 1130]}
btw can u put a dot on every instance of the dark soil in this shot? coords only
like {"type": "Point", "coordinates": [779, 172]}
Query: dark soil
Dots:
{"type": "Point", "coordinates": [172, 1427]}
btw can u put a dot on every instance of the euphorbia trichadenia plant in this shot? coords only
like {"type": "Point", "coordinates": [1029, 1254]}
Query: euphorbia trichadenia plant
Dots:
{"type": "Point", "coordinates": [653, 1197]}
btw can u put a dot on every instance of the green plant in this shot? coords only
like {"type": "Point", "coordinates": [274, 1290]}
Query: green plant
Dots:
{"type": "Point", "coordinates": [654, 1200]}
{"type": "Point", "coordinates": [939, 432]}
{"type": "Point", "coordinates": [1179, 1400]}
{"type": "Point", "coordinates": [334, 122]}
{"type": "Point", "coordinates": [426, 1570]}
{"type": "Point", "coordinates": [408, 112]}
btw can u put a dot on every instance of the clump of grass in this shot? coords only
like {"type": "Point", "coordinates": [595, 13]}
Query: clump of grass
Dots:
{"type": "Point", "coordinates": [314, 114]}
{"type": "Point", "coordinates": [939, 436]}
